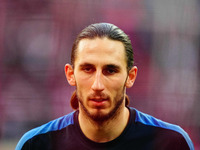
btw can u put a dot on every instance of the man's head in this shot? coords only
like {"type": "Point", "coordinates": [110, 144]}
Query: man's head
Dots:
{"type": "Point", "coordinates": [108, 30]}
{"type": "Point", "coordinates": [102, 61]}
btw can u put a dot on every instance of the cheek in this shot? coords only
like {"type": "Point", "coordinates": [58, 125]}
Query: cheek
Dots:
{"type": "Point", "coordinates": [83, 84]}
{"type": "Point", "coordinates": [116, 87]}
{"type": "Point", "coordinates": [83, 87]}
{"type": "Point", "coordinates": [117, 82]}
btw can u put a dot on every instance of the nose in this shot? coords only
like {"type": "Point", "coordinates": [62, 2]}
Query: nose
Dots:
{"type": "Point", "coordinates": [98, 82]}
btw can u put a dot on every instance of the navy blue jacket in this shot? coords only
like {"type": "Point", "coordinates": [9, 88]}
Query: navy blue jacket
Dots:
{"type": "Point", "coordinates": [143, 132]}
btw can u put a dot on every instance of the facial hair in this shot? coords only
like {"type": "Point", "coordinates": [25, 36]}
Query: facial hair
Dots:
{"type": "Point", "coordinates": [98, 117]}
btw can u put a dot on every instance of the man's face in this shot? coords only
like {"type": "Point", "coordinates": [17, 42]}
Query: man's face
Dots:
{"type": "Point", "coordinates": [100, 74]}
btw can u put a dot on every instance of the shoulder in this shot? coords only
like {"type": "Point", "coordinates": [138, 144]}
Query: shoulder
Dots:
{"type": "Point", "coordinates": [53, 125]}
{"type": "Point", "coordinates": [149, 120]}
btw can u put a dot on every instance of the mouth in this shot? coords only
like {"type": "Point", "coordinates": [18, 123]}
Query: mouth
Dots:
{"type": "Point", "coordinates": [98, 99]}
{"type": "Point", "coordinates": [98, 102]}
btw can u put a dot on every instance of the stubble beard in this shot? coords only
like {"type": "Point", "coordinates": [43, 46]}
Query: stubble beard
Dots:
{"type": "Point", "coordinates": [100, 118]}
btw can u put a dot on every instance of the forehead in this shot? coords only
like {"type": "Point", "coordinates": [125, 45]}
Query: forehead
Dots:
{"type": "Point", "coordinates": [101, 50]}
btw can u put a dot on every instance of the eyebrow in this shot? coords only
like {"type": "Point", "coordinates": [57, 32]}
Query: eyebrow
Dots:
{"type": "Point", "coordinates": [85, 65]}
{"type": "Point", "coordinates": [114, 66]}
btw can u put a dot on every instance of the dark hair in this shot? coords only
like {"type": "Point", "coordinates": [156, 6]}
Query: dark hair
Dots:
{"type": "Point", "coordinates": [105, 30]}
{"type": "Point", "coordinates": [101, 30]}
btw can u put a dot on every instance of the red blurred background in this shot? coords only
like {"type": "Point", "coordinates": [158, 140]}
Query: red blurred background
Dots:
{"type": "Point", "coordinates": [36, 37]}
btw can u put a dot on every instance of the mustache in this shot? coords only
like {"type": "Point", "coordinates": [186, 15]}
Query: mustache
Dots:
{"type": "Point", "coordinates": [98, 96]}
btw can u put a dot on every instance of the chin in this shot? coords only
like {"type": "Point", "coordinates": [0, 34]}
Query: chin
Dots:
{"type": "Point", "coordinates": [101, 115]}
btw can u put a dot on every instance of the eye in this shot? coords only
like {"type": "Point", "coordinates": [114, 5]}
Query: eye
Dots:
{"type": "Point", "coordinates": [88, 69]}
{"type": "Point", "coordinates": [109, 71]}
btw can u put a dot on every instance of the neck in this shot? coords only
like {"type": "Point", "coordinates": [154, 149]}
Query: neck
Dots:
{"type": "Point", "coordinates": [104, 131]}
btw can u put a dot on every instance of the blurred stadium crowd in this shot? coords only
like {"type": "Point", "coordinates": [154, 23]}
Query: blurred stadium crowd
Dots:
{"type": "Point", "coordinates": [36, 37]}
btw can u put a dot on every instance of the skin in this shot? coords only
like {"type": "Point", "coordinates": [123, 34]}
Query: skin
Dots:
{"type": "Point", "coordinates": [101, 78]}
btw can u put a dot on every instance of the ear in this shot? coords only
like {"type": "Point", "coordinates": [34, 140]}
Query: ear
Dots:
{"type": "Point", "coordinates": [69, 72]}
{"type": "Point", "coordinates": [131, 77]}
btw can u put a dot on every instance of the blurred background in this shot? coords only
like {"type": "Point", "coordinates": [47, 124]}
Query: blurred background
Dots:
{"type": "Point", "coordinates": [36, 37]}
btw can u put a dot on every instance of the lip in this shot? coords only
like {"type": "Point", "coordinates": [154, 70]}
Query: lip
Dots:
{"type": "Point", "coordinates": [98, 102]}
{"type": "Point", "coordinates": [98, 99]}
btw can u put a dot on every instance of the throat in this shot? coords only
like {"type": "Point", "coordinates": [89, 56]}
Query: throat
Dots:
{"type": "Point", "coordinates": [104, 131]}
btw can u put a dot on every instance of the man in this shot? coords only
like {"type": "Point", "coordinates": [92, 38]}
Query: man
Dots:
{"type": "Point", "coordinates": [101, 69]}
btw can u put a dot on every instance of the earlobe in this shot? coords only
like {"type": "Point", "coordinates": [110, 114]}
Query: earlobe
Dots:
{"type": "Point", "coordinates": [69, 73]}
{"type": "Point", "coordinates": [131, 77]}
